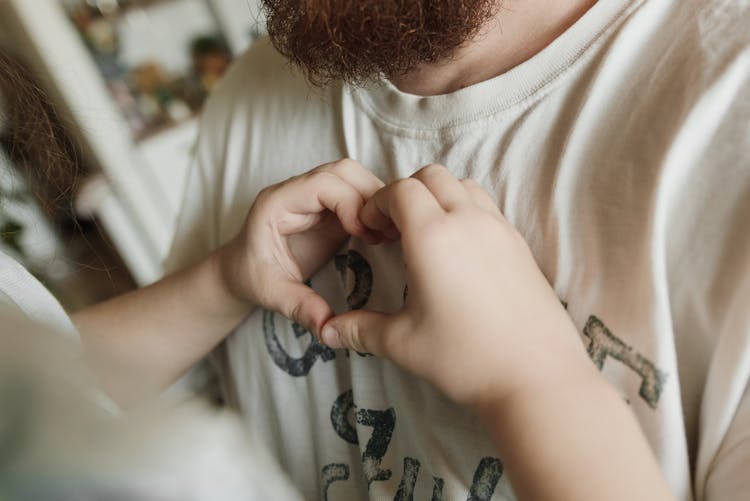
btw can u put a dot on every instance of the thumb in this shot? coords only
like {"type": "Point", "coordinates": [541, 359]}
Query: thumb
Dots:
{"type": "Point", "coordinates": [362, 331]}
{"type": "Point", "coordinates": [301, 304]}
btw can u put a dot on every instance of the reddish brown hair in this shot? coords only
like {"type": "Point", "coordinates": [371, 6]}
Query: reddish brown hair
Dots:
{"type": "Point", "coordinates": [356, 40]}
{"type": "Point", "coordinates": [34, 137]}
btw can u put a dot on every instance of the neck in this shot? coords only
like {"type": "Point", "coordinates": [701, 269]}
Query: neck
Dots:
{"type": "Point", "coordinates": [518, 31]}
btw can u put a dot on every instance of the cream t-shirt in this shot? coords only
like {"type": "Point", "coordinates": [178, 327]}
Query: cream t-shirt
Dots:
{"type": "Point", "coordinates": [621, 152]}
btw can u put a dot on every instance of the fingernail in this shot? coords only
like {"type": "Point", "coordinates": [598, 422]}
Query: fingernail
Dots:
{"type": "Point", "coordinates": [331, 337]}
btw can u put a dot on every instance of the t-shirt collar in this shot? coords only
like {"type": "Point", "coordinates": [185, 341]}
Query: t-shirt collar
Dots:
{"type": "Point", "coordinates": [387, 104]}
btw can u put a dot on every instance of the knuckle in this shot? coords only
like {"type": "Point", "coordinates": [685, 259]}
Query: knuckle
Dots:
{"type": "Point", "coordinates": [429, 170]}
{"type": "Point", "coordinates": [321, 176]}
{"type": "Point", "coordinates": [322, 180]}
{"type": "Point", "coordinates": [344, 165]}
{"type": "Point", "coordinates": [263, 203]}
{"type": "Point", "coordinates": [406, 187]}
{"type": "Point", "coordinates": [432, 169]}
{"type": "Point", "coordinates": [486, 221]}
{"type": "Point", "coordinates": [264, 195]}
{"type": "Point", "coordinates": [506, 231]}
{"type": "Point", "coordinates": [355, 337]}
{"type": "Point", "coordinates": [321, 167]}
{"type": "Point", "coordinates": [294, 311]}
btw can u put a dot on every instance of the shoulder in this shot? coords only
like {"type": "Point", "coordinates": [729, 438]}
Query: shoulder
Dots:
{"type": "Point", "coordinates": [262, 85]}
{"type": "Point", "coordinates": [261, 68]}
{"type": "Point", "coordinates": [261, 108]}
{"type": "Point", "coordinates": [262, 124]}
{"type": "Point", "coordinates": [674, 52]}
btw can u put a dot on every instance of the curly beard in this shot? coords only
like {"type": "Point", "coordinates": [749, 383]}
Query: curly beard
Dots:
{"type": "Point", "coordinates": [357, 41]}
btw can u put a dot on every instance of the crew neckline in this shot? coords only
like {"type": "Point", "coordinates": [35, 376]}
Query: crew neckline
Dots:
{"type": "Point", "coordinates": [391, 107]}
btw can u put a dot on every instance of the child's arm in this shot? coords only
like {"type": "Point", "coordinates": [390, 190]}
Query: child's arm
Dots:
{"type": "Point", "coordinates": [482, 324]}
{"type": "Point", "coordinates": [143, 341]}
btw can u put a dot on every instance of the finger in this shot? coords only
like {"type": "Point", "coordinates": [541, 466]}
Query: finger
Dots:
{"type": "Point", "coordinates": [355, 174]}
{"type": "Point", "coordinates": [479, 195]}
{"type": "Point", "coordinates": [366, 183]}
{"type": "Point", "coordinates": [364, 331]}
{"type": "Point", "coordinates": [406, 203]}
{"type": "Point", "coordinates": [301, 304]}
{"type": "Point", "coordinates": [302, 202]}
{"type": "Point", "coordinates": [447, 189]}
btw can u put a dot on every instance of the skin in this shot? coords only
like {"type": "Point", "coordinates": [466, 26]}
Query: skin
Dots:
{"type": "Point", "coordinates": [165, 328]}
{"type": "Point", "coordinates": [143, 341]}
{"type": "Point", "coordinates": [546, 420]}
{"type": "Point", "coordinates": [473, 350]}
{"type": "Point", "coordinates": [472, 329]}
{"type": "Point", "coordinates": [520, 29]}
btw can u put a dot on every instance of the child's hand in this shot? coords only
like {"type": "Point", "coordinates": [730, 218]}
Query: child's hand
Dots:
{"type": "Point", "coordinates": [480, 320]}
{"type": "Point", "coordinates": [293, 228]}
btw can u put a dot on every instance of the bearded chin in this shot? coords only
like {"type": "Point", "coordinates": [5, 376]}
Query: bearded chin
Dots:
{"type": "Point", "coordinates": [358, 41]}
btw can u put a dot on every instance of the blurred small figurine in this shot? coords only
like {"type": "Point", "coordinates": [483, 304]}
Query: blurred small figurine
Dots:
{"type": "Point", "coordinates": [211, 58]}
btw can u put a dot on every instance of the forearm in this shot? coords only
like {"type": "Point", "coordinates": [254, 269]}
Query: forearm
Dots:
{"type": "Point", "coordinates": [573, 438]}
{"type": "Point", "coordinates": [141, 342]}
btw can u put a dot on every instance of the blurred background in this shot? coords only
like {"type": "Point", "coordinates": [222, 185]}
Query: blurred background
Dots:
{"type": "Point", "coordinates": [127, 80]}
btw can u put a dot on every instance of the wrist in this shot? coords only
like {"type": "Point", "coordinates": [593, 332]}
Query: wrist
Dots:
{"type": "Point", "coordinates": [552, 411]}
{"type": "Point", "coordinates": [224, 268]}
{"type": "Point", "coordinates": [552, 438]}
{"type": "Point", "coordinates": [499, 406]}
{"type": "Point", "coordinates": [548, 376]}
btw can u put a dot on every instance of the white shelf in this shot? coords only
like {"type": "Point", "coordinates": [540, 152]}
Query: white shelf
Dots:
{"type": "Point", "coordinates": [139, 193]}
{"type": "Point", "coordinates": [53, 47]}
